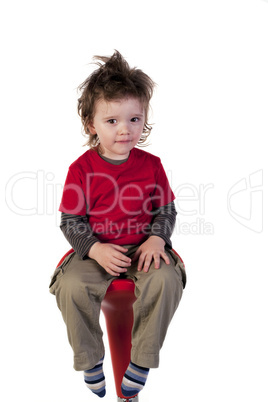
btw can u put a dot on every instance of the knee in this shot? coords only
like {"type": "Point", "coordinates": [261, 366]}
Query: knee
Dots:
{"type": "Point", "coordinates": [168, 280]}
{"type": "Point", "coordinates": [71, 291]}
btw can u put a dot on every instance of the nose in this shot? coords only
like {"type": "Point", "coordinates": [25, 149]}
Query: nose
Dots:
{"type": "Point", "coordinates": [124, 129]}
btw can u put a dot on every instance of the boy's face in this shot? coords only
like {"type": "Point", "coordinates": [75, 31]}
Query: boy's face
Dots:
{"type": "Point", "coordinates": [119, 125]}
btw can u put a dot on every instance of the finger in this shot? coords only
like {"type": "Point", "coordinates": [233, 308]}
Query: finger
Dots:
{"type": "Point", "coordinates": [120, 263]}
{"type": "Point", "coordinates": [165, 258]}
{"type": "Point", "coordinates": [141, 261]}
{"type": "Point", "coordinates": [116, 269]}
{"type": "Point", "coordinates": [156, 261]}
{"type": "Point", "coordinates": [122, 258]}
{"type": "Point", "coordinates": [120, 248]}
{"type": "Point", "coordinates": [147, 263]}
{"type": "Point", "coordinates": [111, 272]}
{"type": "Point", "coordinates": [136, 255]}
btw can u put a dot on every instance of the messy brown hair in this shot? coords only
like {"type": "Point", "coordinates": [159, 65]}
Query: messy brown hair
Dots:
{"type": "Point", "coordinates": [114, 79]}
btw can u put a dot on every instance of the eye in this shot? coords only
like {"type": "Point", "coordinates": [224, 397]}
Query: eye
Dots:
{"type": "Point", "coordinates": [111, 121]}
{"type": "Point", "coordinates": [134, 119]}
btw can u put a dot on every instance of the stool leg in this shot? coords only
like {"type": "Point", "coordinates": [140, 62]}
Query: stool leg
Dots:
{"type": "Point", "coordinates": [118, 312]}
{"type": "Point", "coordinates": [135, 399]}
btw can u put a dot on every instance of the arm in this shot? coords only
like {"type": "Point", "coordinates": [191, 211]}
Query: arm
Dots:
{"type": "Point", "coordinates": [78, 232]}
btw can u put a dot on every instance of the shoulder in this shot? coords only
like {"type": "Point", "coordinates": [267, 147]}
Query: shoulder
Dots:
{"type": "Point", "coordinates": [146, 157]}
{"type": "Point", "coordinates": [83, 162]}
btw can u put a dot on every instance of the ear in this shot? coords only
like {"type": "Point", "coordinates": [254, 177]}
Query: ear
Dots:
{"type": "Point", "coordinates": [91, 128]}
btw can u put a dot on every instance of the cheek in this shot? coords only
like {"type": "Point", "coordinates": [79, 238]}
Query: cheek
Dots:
{"type": "Point", "coordinates": [105, 136]}
{"type": "Point", "coordinates": [139, 131]}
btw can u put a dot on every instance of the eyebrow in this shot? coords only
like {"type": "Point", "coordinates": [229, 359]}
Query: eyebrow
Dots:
{"type": "Point", "coordinates": [114, 116]}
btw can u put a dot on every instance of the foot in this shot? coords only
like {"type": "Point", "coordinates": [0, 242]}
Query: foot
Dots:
{"type": "Point", "coordinates": [95, 380]}
{"type": "Point", "coordinates": [134, 380]}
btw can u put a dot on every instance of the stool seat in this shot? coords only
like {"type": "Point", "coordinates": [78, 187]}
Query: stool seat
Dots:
{"type": "Point", "coordinates": [119, 295]}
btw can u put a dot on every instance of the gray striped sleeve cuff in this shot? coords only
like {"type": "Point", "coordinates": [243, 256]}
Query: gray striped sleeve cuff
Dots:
{"type": "Point", "coordinates": [164, 222]}
{"type": "Point", "coordinates": [78, 232]}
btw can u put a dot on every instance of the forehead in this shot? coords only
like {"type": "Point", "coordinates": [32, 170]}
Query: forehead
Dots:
{"type": "Point", "coordinates": [125, 105]}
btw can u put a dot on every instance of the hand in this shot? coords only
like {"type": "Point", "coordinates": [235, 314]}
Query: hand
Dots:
{"type": "Point", "coordinates": [152, 248]}
{"type": "Point", "coordinates": [110, 257]}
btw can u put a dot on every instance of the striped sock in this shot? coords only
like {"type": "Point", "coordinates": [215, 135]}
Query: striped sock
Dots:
{"type": "Point", "coordinates": [134, 380]}
{"type": "Point", "coordinates": [95, 380]}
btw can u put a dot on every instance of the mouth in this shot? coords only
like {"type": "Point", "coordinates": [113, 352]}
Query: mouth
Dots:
{"type": "Point", "coordinates": [123, 142]}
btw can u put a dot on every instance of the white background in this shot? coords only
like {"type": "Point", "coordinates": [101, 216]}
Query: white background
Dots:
{"type": "Point", "coordinates": [210, 61]}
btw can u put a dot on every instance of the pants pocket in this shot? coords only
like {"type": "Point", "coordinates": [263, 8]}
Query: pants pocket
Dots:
{"type": "Point", "coordinates": [179, 265]}
{"type": "Point", "coordinates": [59, 271]}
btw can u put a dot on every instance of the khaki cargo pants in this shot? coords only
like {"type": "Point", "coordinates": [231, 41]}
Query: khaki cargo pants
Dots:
{"type": "Point", "coordinates": [80, 286]}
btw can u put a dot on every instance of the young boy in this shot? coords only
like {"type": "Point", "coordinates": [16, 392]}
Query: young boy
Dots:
{"type": "Point", "coordinates": [118, 214]}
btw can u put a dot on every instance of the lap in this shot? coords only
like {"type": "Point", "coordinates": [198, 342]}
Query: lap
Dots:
{"type": "Point", "coordinates": [77, 272]}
